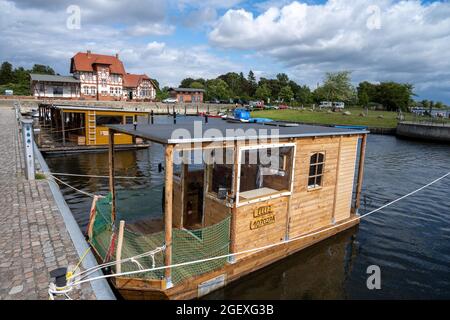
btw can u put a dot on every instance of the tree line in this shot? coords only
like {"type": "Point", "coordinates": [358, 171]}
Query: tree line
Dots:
{"type": "Point", "coordinates": [336, 86]}
{"type": "Point", "coordinates": [18, 79]}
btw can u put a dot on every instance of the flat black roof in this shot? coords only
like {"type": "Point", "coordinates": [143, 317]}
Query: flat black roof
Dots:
{"type": "Point", "coordinates": [220, 130]}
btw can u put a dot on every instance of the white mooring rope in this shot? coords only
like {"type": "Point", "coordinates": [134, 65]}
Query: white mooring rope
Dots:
{"type": "Point", "coordinates": [84, 274]}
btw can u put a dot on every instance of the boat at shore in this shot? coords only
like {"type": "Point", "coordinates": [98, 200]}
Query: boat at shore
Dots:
{"type": "Point", "coordinates": [220, 220]}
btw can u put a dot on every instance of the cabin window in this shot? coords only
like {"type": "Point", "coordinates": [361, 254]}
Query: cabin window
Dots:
{"type": "Point", "coordinates": [129, 119]}
{"type": "Point", "coordinates": [220, 171]}
{"type": "Point", "coordinates": [265, 172]}
{"type": "Point", "coordinates": [103, 120]}
{"type": "Point", "coordinates": [317, 162]}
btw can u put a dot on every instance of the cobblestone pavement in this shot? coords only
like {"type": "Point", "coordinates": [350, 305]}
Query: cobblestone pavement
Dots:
{"type": "Point", "coordinates": [33, 237]}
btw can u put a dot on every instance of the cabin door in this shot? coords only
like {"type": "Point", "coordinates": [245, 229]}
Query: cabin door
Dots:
{"type": "Point", "coordinates": [193, 198]}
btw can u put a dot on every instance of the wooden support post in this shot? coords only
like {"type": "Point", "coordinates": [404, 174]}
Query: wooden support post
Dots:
{"type": "Point", "coordinates": [62, 127]}
{"type": "Point", "coordinates": [168, 212]}
{"type": "Point", "coordinates": [112, 187]}
{"type": "Point", "coordinates": [119, 247]}
{"type": "Point", "coordinates": [362, 156]}
{"type": "Point", "coordinates": [233, 224]}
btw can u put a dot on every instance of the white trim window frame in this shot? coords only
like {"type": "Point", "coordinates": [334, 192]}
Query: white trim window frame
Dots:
{"type": "Point", "coordinates": [274, 196]}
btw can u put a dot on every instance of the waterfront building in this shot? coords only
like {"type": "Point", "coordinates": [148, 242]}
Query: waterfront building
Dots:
{"type": "Point", "coordinates": [95, 77]}
{"type": "Point", "coordinates": [188, 95]}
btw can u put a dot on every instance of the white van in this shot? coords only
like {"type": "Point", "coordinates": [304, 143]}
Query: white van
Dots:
{"type": "Point", "coordinates": [325, 104]}
{"type": "Point", "coordinates": [338, 105]}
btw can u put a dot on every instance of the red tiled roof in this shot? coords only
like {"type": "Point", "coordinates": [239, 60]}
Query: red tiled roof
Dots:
{"type": "Point", "coordinates": [84, 61]}
{"type": "Point", "coordinates": [132, 80]}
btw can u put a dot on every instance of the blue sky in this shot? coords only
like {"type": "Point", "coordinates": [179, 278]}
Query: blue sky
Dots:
{"type": "Point", "coordinates": [378, 40]}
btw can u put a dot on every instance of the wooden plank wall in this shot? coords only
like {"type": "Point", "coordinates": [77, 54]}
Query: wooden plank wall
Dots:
{"type": "Point", "coordinates": [215, 212]}
{"type": "Point", "coordinates": [314, 209]}
{"type": "Point", "coordinates": [269, 234]}
{"type": "Point", "coordinates": [345, 182]}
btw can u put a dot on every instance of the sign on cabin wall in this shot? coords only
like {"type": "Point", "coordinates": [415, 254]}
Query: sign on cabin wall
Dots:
{"type": "Point", "coordinates": [262, 216]}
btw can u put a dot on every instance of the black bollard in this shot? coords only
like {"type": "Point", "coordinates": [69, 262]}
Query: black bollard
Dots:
{"type": "Point", "coordinates": [206, 118]}
{"type": "Point", "coordinates": [174, 117]}
{"type": "Point", "coordinates": [151, 116]}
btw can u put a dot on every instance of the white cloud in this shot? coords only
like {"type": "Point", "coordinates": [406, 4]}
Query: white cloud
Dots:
{"type": "Point", "coordinates": [36, 35]}
{"type": "Point", "coordinates": [151, 29]}
{"type": "Point", "coordinates": [411, 45]}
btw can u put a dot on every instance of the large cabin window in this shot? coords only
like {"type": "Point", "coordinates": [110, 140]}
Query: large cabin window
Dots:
{"type": "Point", "coordinates": [265, 172]}
{"type": "Point", "coordinates": [316, 166]}
{"type": "Point", "coordinates": [220, 171]}
{"type": "Point", "coordinates": [102, 120]}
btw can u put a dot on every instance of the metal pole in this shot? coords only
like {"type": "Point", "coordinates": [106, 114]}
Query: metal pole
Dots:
{"type": "Point", "coordinates": [27, 132]}
{"type": "Point", "coordinates": [112, 187]}
{"type": "Point", "coordinates": [62, 127]}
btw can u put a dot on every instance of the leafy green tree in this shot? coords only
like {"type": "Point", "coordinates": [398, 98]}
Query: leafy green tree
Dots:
{"type": "Point", "coordinates": [283, 79]}
{"type": "Point", "coordinates": [304, 95]}
{"type": "Point", "coordinates": [263, 92]}
{"type": "Point", "coordinates": [162, 94]}
{"type": "Point", "coordinates": [439, 105]}
{"type": "Point", "coordinates": [363, 98]}
{"type": "Point", "coordinates": [395, 96]}
{"type": "Point", "coordinates": [196, 85]}
{"type": "Point", "coordinates": [252, 85]}
{"type": "Point", "coordinates": [6, 73]}
{"type": "Point", "coordinates": [42, 69]}
{"type": "Point", "coordinates": [286, 94]}
{"type": "Point", "coordinates": [217, 89]}
{"type": "Point", "coordinates": [337, 87]}
{"type": "Point", "coordinates": [185, 83]}
{"type": "Point", "coordinates": [236, 83]}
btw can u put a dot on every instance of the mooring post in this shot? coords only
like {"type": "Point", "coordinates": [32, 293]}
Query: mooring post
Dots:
{"type": "Point", "coordinates": [112, 187]}
{"type": "Point", "coordinates": [27, 133]}
{"type": "Point", "coordinates": [62, 127]}
{"type": "Point", "coordinates": [168, 213]}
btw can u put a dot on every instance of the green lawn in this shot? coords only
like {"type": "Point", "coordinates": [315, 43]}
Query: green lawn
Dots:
{"type": "Point", "coordinates": [373, 120]}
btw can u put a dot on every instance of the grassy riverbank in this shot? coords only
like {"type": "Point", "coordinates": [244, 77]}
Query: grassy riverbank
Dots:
{"type": "Point", "coordinates": [375, 119]}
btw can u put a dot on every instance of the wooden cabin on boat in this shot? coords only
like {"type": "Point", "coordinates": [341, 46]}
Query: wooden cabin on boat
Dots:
{"type": "Point", "coordinates": [86, 126]}
{"type": "Point", "coordinates": [236, 198]}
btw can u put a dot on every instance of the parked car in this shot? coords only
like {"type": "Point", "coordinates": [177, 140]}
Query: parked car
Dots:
{"type": "Point", "coordinates": [170, 100]}
{"type": "Point", "coordinates": [257, 105]}
{"type": "Point", "coordinates": [216, 101]}
{"type": "Point", "coordinates": [283, 106]}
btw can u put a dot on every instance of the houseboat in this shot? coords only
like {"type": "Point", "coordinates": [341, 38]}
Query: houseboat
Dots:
{"type": "Point", "coordinates": [236, 198]}
{"type": "Point", "coordinates": [72, 128]}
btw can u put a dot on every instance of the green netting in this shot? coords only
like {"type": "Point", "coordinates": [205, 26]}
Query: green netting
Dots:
{"type": "Point", "coordinates": [187, 245]}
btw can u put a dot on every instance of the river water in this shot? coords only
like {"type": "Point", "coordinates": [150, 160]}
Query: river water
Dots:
{"type": "Point", "coordinates": [409, 241]}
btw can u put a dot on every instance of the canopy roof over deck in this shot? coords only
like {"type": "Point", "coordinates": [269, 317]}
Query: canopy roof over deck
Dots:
{"type": "Point", "coordinates": [221, 130]}
{"type": "Point", "coordinates": [93, 108]}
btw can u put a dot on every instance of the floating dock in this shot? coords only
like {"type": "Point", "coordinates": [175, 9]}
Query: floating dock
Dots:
{"type": "Point", "coordinates": [66, 129]}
